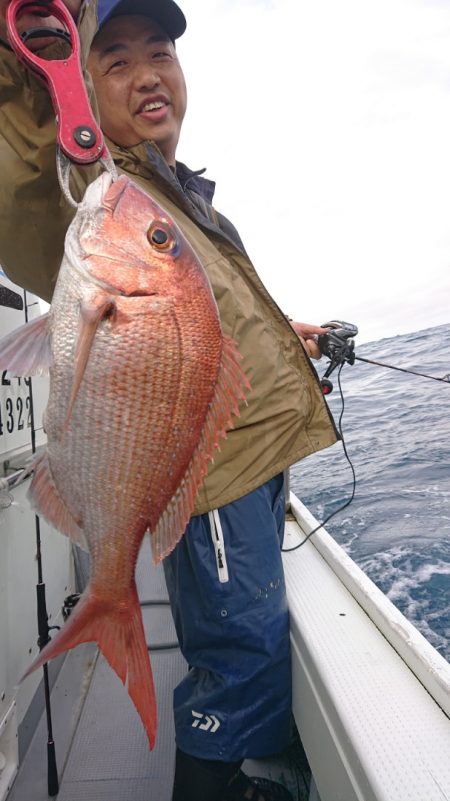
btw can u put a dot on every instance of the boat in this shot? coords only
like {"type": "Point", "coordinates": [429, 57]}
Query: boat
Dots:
{"type": "Point", "coordinates": [371, 697]}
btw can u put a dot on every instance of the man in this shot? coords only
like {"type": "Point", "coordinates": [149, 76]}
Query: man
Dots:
{"type": "Point", "coordinates": [225, 578]}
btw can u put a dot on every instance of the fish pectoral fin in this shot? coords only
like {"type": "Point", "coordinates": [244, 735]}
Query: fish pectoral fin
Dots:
{"type": "Point", "coordinates": [26, 351]}
{"type": "Point", "coordinates": [92, 312]}
{"type": "Point", "coordinates": [46, 500]}
{"type": "Point", "coordinates": [116, 626]}
{"type": "Point", "coordinates": [231, 386]}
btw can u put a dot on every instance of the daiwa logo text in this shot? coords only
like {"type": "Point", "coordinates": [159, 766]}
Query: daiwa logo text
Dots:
{"type": "Point", "coordinates": [205, 722]}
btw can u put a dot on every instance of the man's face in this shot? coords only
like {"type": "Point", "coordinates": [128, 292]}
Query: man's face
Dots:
{"type": "Point", "coordinates": [139, 84]}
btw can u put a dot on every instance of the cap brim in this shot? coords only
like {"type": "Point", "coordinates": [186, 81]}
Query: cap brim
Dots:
{"type": "Point", "coordinates": [165, 12]}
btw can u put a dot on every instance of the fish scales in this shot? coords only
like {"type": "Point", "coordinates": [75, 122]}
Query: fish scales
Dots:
{"type": "Point", "coordinates": [142, 386]}
{"type": "Point", "coordinates": [138, 394]}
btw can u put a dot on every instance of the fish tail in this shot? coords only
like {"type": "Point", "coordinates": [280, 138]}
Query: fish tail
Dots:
{"type": "Point", "coordinates": [117, 628]}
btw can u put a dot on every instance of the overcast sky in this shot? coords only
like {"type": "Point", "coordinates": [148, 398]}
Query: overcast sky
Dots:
{"type": "Point", "coordinates": [326, 124]}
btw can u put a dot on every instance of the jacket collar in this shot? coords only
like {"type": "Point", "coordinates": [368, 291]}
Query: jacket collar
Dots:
{"type": "Point", "coordinates": [146, 159]}
{"type": "Point", "coordinates": [190, 179]}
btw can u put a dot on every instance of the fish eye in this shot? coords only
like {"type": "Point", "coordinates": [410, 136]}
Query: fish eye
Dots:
{"type": "Point", "coordinates": [160, 236]}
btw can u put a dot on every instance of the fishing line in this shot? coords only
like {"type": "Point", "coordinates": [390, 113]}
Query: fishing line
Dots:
{"type": "Point", "coordinates": [349, 501]}
{"type": "Point", "coordinates": [445, 379]}
{"type": "Point", "coordinates": [339, 348]}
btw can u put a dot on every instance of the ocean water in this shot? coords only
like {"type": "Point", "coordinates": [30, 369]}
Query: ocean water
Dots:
{"type": "Point", "coordinates": [397, 432]}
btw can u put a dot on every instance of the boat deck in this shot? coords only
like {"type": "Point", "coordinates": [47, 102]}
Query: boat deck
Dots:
{"type": "Point", "coordinates": [371, 697]}
{"type": "Point", "coordinates": [101, 748]}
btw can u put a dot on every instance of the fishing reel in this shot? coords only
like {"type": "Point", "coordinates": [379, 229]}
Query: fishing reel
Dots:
{"type": "Point", "coordinates": [338, 345]}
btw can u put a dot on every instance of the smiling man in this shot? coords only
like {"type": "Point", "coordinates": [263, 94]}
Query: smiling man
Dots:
{"type": "Point", "coordinates": [134, 59]}
{"type": "Point", "coordinates": [225, 578]}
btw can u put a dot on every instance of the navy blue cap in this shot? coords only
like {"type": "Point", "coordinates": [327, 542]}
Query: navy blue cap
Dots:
{"type": "Point", "coordinates": [165, 12]}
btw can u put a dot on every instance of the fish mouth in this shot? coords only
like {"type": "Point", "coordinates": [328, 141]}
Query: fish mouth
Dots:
{"type": "Point", "coordinates": [139, 293]}
{"type": "Point", "coordinates": [120, 292]}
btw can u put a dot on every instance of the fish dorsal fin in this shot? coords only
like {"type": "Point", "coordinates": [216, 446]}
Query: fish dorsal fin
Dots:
{"type": "Point", "coordinates": [46, 500]}
{"type": "Point", "coordinates": [26, 351]}
{"type": "Point", "coordinates": [92, 312]}
{"type": "Point", "coordinates": [230, 389]}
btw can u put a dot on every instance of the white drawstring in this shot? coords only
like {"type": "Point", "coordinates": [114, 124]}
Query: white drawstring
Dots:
{"type": "Point", "coordinates": [219, 546]}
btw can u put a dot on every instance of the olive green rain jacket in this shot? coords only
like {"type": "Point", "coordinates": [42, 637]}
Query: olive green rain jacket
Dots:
{"type": "Point", "coordinates": [286, 417]}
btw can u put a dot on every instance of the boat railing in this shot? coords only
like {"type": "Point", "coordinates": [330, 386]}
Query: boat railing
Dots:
{"type": "Point", "coordinates": [15, 479]}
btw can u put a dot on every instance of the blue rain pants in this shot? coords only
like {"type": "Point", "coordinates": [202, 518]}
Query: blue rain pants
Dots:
{"type": "Point", "coordinates": [227, 592]}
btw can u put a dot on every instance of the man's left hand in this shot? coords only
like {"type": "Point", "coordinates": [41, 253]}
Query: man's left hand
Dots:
{"type": "Point", "coordinates": [307, 334]}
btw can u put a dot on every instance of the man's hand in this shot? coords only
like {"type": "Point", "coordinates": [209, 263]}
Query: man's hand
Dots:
{"type": "Point", "coordinates": [307, 334]}
{"type": "Point", "coordinates": [27, 21]}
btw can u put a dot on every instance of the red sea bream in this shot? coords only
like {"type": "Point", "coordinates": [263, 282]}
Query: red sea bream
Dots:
{"type": "Point", "coordinates": [142, 386]}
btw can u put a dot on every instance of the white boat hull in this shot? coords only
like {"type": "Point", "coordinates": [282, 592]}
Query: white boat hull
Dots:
{"type": "Point", "coordinates": [370, 695]}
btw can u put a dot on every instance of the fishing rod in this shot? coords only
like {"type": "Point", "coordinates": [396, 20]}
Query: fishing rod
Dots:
{"type": "Point", "coordinates": [339, 346]}
{"type": "Point", "coordinates": [42, 615]}
{"type": "Point", "coordinates": [445, 378]}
